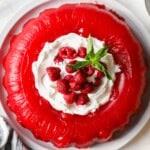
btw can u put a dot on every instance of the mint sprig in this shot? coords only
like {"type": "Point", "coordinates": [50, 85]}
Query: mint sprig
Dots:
{"type": "Point", "coordinates": [79, 64]}
{"type": "Point", "coordinates": [93, 59]}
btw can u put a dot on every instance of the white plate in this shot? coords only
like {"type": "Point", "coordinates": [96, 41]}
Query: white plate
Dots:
{"type": "Point", "coordinates": [32, 10]}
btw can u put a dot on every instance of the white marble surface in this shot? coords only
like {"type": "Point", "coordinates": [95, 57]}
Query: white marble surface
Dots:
{"type": "Point", "coordinates": [9, 7]}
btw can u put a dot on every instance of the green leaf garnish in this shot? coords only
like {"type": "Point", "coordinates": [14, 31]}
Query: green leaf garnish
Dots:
{"type": "Point", "coordinates": [78, 65]}
{"type": "Point", "coordinates": [101, 53]}
{"type": "Point", "coordinates": [90, 48]}
{"type": "Point", "coordinates": [101, 67]}
{"type": "Point", "coordinates": [93, 59]}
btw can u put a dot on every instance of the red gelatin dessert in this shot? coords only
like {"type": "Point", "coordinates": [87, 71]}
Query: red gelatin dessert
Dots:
{"type": "Point", "coordinates": [72, 74]}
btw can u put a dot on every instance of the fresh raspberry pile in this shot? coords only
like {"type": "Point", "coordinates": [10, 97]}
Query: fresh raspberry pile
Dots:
{"type": "Point", "coordinates": [75, 85]}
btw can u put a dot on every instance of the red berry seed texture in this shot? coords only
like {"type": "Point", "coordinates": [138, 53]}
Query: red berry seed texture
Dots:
{"type": "Point", "coordinates": [75, 85]}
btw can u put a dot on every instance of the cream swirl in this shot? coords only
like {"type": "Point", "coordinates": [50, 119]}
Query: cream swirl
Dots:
{"type": "Point", "coordinates": [47, 88]}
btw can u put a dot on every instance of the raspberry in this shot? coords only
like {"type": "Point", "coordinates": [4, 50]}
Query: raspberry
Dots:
{"type": "Point", "coordinates": [82, 99]}
{"type": "Point", "coordinates": [99, 74]}
{"type": "Point", "coordinates": [88, 70]}
{"type": "Point", "coordinates": [67, 52]}
{"type": "Point", "coordinates": [79, 77]}
{"type": "Point", "coordinates": [62, 86]}
{"type": "Point", "coordinates": [53, 73]}
{"type": "Point", "coordinates": [87, 88]}
{"type": "Point", "coordinates": [75, 86]}
{"type": "Point", "coordinates": [58, 59]}
{"type": "Point", "coordinates": [68, 77]}
{"type": "Point", "coordinates": [97, 81]}
{"type": "Point", "coordinates": [70, 97]}
{"type": "Point", "coordinates": [68, 69]}
{"type": "Point", "coordinates": [82, 52]}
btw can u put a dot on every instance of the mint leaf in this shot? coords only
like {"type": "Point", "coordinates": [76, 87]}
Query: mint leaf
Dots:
{"type": "Point", "coordinates": [101, 53]}
{"type": "Point", "coordinates": [93, 59]}
{"type": "Point", "coordinates": [101, 67]}
{"type": "Point", "coordinates": [90, 48]}
{"type": "Point", "coordinates": [78, 65]}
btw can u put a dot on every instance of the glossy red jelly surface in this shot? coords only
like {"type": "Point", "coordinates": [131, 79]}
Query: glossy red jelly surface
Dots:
{"type": "Point", "coordinates": [36, 113]}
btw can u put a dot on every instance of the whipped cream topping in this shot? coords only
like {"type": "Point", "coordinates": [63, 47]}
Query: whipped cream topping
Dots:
{"type": "Point", "coordinates": [47, 88]}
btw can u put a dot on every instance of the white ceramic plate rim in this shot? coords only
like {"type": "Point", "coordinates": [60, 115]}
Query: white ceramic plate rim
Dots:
{"type": "Point", "coordinates": [113, 145]}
